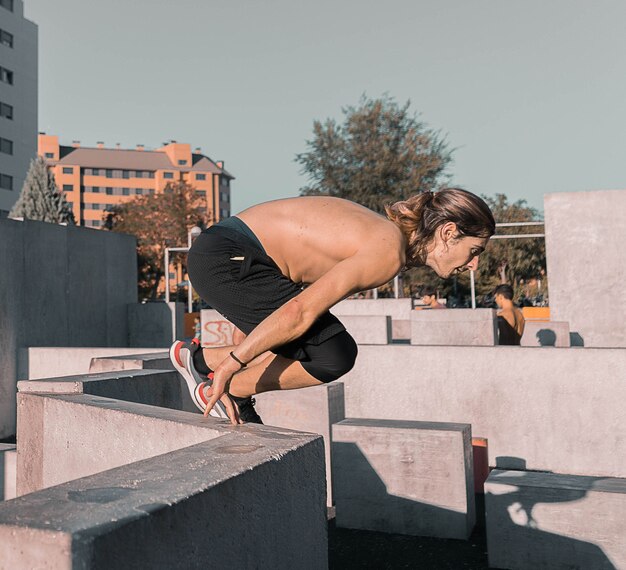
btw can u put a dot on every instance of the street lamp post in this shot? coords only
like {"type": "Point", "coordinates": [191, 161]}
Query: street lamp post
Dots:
{"type": "Point", "coordinates": [191, 235]}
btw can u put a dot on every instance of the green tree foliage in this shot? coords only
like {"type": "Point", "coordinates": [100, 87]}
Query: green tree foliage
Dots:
{"type": "Point", "coordinates": [157, 221]}
{"type": "Point", "coordinates": [40, 198]}
{"type": "Point", "coordinates": [380, 154]}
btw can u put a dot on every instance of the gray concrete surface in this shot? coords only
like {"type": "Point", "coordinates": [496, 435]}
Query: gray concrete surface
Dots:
{"type": "Point", "coordinates": [198, 492]}
{"type": "Point", "coordinates": [368, 329]}
{"type": "Point", "coordinates": [397, 309]}
{"type": "Point", "coordinates": [586, 263]}
{"type": "Point", "coordinates": [312, 410]}
{"type": "Point", "coordinates": [401, 329]}
{"type": "Point", "coordinates": [147, 361]}
{"type": "Point", "coordinates": [546, 334]}
{"type": "Point", "coordinates": [62, 308]}
{"type": "Point", "coordinates": [155, 324]}
{"type": "Point", "coordinates": [455, 327]}
{"type": "Point", "coordinates": [412, 478]}
{"type": "Point", "coordinates": [51, 362]}
{"type": "Point", "coordinates": [8, 471]}
{"type": "Point", "coordinates": [216, 330]}
{"type": "Point", "coordinates": [541, 521]}
{"type": "Point", "coordinates": [558, 410]}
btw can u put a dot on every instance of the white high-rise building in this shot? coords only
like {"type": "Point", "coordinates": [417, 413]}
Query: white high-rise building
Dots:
{"type": "Point", "coordinates": [18, 100]}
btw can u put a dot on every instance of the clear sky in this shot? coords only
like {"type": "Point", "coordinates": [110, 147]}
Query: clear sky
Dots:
{"type": "Point", "coordinates": [532, 94]}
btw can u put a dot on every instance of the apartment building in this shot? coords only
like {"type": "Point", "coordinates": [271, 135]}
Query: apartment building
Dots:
{"type": "Point", "coordinates": [94, 179]}
{"type": "Point", "coordinates": [18, 100]}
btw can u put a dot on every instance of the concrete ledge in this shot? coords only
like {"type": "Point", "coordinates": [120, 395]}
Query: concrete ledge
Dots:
{"type": "Point", "coordinates": [8, 471]}
{"type": "Point", "coordinates": [544, 520]}
{"type": "Point", "coordinates": [216, 330]}
{"type": "Point", "coordinates": [456, 327]}
{"type": "Point", "coordinates": [551, 410]}
{"type": "Point", "coordinates": [404, 477]}
{"type": "Point", "coordinates": [312, 410]}
{"type": "Point", "coordinates": [546, 334]}
{"type": "Point", "coordinates": [401, 329]}
{"type": "Point", "coordinates": [246, 496]}
{"type": "Point", "coordinates": [368, 329]}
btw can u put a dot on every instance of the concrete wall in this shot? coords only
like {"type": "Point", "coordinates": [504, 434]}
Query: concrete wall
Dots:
{"type": "Point", "coordinates": [586, 263]}
{"type": "Point", "coordinates": [175, 491]}
{"type": "Point", "coordinates": [216, 330]}
{"type": "Point", "coordinates": [456, 327]}
{"type": "Point", "coordinates": [368, 329]}
{"type": "Point", "coordinates": [397, 309]}
{"type": "Point", "coordinates": [155, 324]}
{"type": "Point", "coordinates": [61, 286]}
{"type": "Point", "coordinates": [546, 334]}
{"type": "Point", "coordinates": [559, 410]}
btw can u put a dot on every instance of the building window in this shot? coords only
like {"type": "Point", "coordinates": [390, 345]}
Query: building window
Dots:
{"type": "Point", "coordinates": [182, 162]}
{"type": "Point", "coordinates": [224, 213]}
{"type": "Point", "coordinates": [68, 170]}
{"type": "Point", "coordinates": [168, 175]}
{"type": "Point", "coordinates": [6, 39]}
{"type": "Point", "coordinates": [224, 181]}
{"type": "Point", "coordinates": [125, 191]}
{"type": "Point", "coordinates": [109, 191]}
{"type": "Point", "coordinates": [139, 191]}
{"type": "Point", "coordinates": [201, 192]}
{"type": "Point", "coordinates": [6, 146]}
{"type": "Point", "coordinates": [6, 111]}
{"type": "Point", "coordinates": [68, 187]}
{"type": "Point", "coordinates": [125, 174]}
{"type": "Point", "coordinates": [8, 4]}
{"type": "Point", "coordinates": [150, 174]}
{"type": "Point", "coordinates": [6, 75]}
{"type": "Point", "coordinates": [95, 189]}
{"type": "Point", "coordinates": [151, 191]}
{"type": "Point", "coordinates": [95, 171]}
{"type": "Point", "coordinates": [139, 174]}
{"type": "Point", "coordinates": [6, 182]}
{"type": "Point", "coordinates": [200, 176]}
{"type": "Point", "coordinates": [49, 155]}
{"type": "Point", "coordinates": [109, 173]}
{"type": "Point", "coordinates": [95, 223]}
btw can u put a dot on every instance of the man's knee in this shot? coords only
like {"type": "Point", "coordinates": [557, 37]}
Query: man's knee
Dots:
{"type": "Point", "coordinates": [333, 358]}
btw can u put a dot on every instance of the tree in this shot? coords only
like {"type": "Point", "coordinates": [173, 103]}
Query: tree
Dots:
{"type": "Point", "coordinates": [40, 198]}
{"type": "Point", "coordinates": [380, 154]}
{"type": "Point", "coordinates": [157, 221]}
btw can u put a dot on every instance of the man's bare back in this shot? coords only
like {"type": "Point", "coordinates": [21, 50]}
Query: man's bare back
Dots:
{"type": "Point", "coordinates": [308, 236]}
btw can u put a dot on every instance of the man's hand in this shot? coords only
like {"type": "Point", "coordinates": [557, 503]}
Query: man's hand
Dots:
{"type": "Point", "coordinates": [222, 376]}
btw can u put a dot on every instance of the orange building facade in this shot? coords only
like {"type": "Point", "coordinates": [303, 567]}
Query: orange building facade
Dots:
{"type": "Point", "coordinates": [95, 179]}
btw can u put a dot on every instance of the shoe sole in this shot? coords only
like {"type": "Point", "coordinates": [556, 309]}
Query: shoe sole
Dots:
{"type": "Point", "coordinates": [180, 356]}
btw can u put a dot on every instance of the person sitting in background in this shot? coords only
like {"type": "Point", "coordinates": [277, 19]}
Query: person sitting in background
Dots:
{"type": "Point", "coordinates": [510, 318]}
{"type": "Point", "coordinates": [429, 298]}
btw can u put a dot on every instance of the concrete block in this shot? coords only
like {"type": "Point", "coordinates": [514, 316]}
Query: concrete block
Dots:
{"type": "Point", "coordinates": [204, 494]}
{"type": "Point", "coordinates": [312, 410]}
{"type": "Point", "coordinates": [552, 410]}
{"type": "Point", "coordinates": [455, 327]}
{"type": "Point", "coordinates": [148, 361]}
{"type": "Point", "coordinates": [368, 329]}
{"type": "Point", "coordinates": [404, 477]}
{"type": "Point", "coordinates": [401, 329]}
{"type": "Point", "coordinates": [546, 334]}
{"type": "Point", "coordinates": [538, 521]}
{"type": "Point", "coordinates": [216, 330]}
{"type": "Point", "coordinates": [397, 309]}
{"type": "Point", "coordinates": [589, 226]}
{"type": "Point", "coordinates": [155, 324]}
{"type": "Point", "coordinates": [8, 471]}
{"type": "Point", "coordinates": [52, 362]}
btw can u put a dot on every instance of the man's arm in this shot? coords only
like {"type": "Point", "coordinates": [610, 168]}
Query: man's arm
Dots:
{"type": "Point", "coordinates": [363, 270]}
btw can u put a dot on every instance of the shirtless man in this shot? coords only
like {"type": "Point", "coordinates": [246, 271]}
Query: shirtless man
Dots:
{"type": "Point", "coordinates": [274, 271]}
{"type": "Point", "coordinates": [510, 318]}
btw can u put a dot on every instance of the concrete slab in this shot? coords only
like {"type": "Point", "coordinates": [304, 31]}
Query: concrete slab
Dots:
{"type": "Point", "coordinates": [312, 410]}
{"type": "Point", "coordinates": [401, 329]}
{"type": "Point", "coordinates": [397, 309]}
{"type": "Point", "coordinates": [539, 521]}
{"type": "Point", "coordinates": [546, 334]}
{"type": "Point", "coordinates": [148, 361]}
{"type": "Point", "coordinates": [403, 477]}
{"type": "Point", "coordinates": [368, 329]}
{"type": "Point", "coordinates": [246, 496]}
{"type": "Point", "coordinates": [454, 327]}
{"type": "Point", "coordinates": [51, 362]}
{"type": "Point", "coordinates": [8, 471]}
{"type": "Point", "coordinates": [551, 410]}
{"type": "Point", "coordinates": [216, 330]}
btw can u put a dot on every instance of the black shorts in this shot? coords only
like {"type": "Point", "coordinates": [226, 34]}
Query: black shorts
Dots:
{"type": "Point", "coordinates": [234, 275]}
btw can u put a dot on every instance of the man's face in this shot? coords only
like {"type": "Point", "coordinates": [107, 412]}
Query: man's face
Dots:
{"type": "Point", "coordinates": [427, 299]}
{"type": "Point", "coordinates": [451, 254]}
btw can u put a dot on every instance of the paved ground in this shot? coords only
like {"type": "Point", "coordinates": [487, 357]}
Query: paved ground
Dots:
{"type": "Point", "coordinates": [376, 550]}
